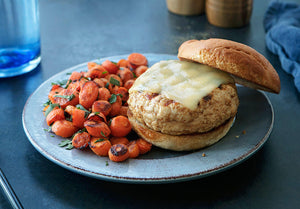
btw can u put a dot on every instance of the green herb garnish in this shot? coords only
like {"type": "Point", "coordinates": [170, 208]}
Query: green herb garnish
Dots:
{"type": "Point", "coordinates": [50, 108]}
{"type": "Point", "coordinates": [68, 97]}
{"type": "Point", "coordinates": [114, 81]}
{"type": "Point", "coordinates": [113, 98]}
{"type": "Point", "coordinates": [66, 143]}
{"type": "Point", "coordinates": [99, 140]}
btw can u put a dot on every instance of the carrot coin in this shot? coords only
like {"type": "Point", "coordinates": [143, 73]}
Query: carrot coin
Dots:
{"type": "Point", "coordinates": [137, 59]}
{"type": "Point", "coordinates": [97, 129]}
{"type": "Point", "coordinates": [128, 84]}
{"type": "Point", "coordinates": [133, 149]}
{"type": "Point", "coordinates": [120, 126]}
{"type": "Point", "coordinates": [144, 146]}
{"type": "Point", "coordinates": [140, 70]}
{"type": "Point", "coordinates": [54, 115]}
{"type": "Point", "coordinates": [104, 94]}
{"type": "Point", "coordinates": [81, 140]}
{"type": "Point", "coordinates": [123, 63]}
{"type": "Point", "coordinates": [111, 67]}
{"type": "Point", "coordinates": [100, 146]}
{"type": "Point", "coordinates": [64, 128]}
{"type": "Point", "coordinates": [78, 118]}
{"type": "Point", "coordinates": [88, 94]}
{"type": "Point", "coordinates": [118, 153]}
{"type": "Point", "coordinates": [101, 106]}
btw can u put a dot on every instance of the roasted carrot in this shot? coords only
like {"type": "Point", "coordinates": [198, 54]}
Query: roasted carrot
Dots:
{"type": "Point", "coordinates": [118, 140]}
{"type": "Point", "coordinates": [69, 109]}
{"type": "Point", "coordinates": [125, 74]}
{"type": "Point", "coordinates": [81, 140]}
{"type": "Point", "coordinates": [99, 117]}
{"type": "Point", "coordinates": [104, 94]}
{"type": "Point", "coordinates": [137, 59]}
{"type": "Point", "coordinates": [133, 149]}
{"type": "Point", "coordinates": [123, 63]}
{"type": "Point", "coordinates": [78, 118]}
{"type": "Point", "coordinates": [107, 84]}
{"type": "Point", "coordinates": [90, 65]}
{"type": "Point", "coordinates": [123, 111]}
{"type": "Point", "coordinates": [100, 146]}
{"type": "Point", "coordinates": [118, 153]}
{"type": "Point", "coordinates": [144, 146]}
{"type": "Point", "coordinates": [54, 91]}
{"type": "Point", "coordinates": [75, 76]}
{"type": "Point", "coordinates": [97, 72]}
{"type": "Point", "coordinates": [129, 83]}
{"type": "Point", "coordinates": [124, 92]}
{"type": "Point", "coordinates": [64, 128]}
{"type": "Point", "coordinates": [97, 129]}
{"type": "Point", "coordinates": [66, 97]}
{"type": "Point", "coordinates": [54, 115]}
{"type": "Point", "coordinates": [99, 82]}
{"type": "Point", "coordinates": [140, 70]}
{"type": "Point", "coordinates": [116, 104]}
{"type": "Point", "coordinates": [101, 106]}
{"type": "Point", "coordinates": [120, 126]}
{"type": "Point", "coordinates": [111, 67]}
{"type": "Point", "coordinates": [88, 94]}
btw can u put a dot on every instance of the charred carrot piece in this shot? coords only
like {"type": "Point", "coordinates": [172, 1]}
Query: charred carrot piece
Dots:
{"type": "Point", "coordinates": [144, 146]}
{"type": "Point", "coordinates": [100, 146]}
{"type": "Point", "coordinates": [104, 94]}
{"type": "Point", "coordinates": [78, 117]}
{"type": "Point", "coordinates": [128, 84]}
{"type": "Point", "coordinates": [88, 94]}
{"type": "Point", "coordinates": [101, 106]}
{"type": "Point", "coordinates": [111, 67]}
{"type": "Point", "coordinates": [75, 76]}
{"type": "Point", "coordinates": [97, 72]}
{"type": "Point", "coordinates": [124, 92]}
{"type": "Point", "coordinates": [116, 104]}
{"type": "Point", "coordinates": [81, 140]}
{"type": "Point", "coordinates": [97, 129]}
{"type": "Point", "coordinates": [66, 97]}
{"type": "Point", "coordinates": [118, 153]}
{"type": "Point", "coordinates": [125, 74]}
{"type": "Point", "coordinates": [64, 128]}
{"type": "Point", "coordinates": [137, 59]}
{"type": "Point", "coordinates": [54, 115]}
{"type": "Point", "coordinates": [97, 117]}
{"type": "Point", "coordinates": [120, 126]}
{"type": "Point", "coordinates": [123, 63]}
{"type": "Point", "coordinates": [140, 70]}
{"type": "Point", "coordinates": [134, 150]}
{"type": "Point", "coordinates": [123, 111]}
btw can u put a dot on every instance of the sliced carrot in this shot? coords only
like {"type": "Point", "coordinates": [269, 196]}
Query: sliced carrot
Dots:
{"type": "Point", "coordinates": [137, 59]}
{"type": "Point", "coordinates": [129, 83]}
{"type": "Point", "coordinates": [104, 94]}
{"type": "Point", "coordinates": [101, 106]}
{"type": "Point", "coordinates": [54, 115]}
{"type": "Point", "coordinates": [97, 72]}
{"type": "Point", "coordinates": [125, 74]}
{"type": "Point", "coordinates": [99, 82]}
{"type": "Point", "coordinates": [118, 140]}
{"type": "Point", "coordinates": [69, 109]}
{"type": "Point", "coordinates": [55, 90]}
{"type": "Point", "coordinates": [64, 128]}
{"type": "Point", "coordinates": [115, 106]}
{"type": "Point", "coordinates": [107, 84]}
{"type": "Point", "coordinates": [81, 140]}
{"type": "Point", "coordinates": [140, 70]}
{"type": "Point", "coordinates": [120, 126]}
{"type": "Point", "coordinates": [124, 92]}
{"type": "Point", "coordinates": [90, 65]}
{"type": "Point", "coordinates": [99, 117]}
{"type": "Point", "coordinates": [66, 97]}
{"type": "Point", "coordinates": [133, 149]}
{"type": "Point", "coordinates": [118, 153]}
{"type": "Point", "coordinates": [100, 146]}
{"type": "Point", "coordinates": [97, 129]}
{"type": "Point", "coordinates": [111, 67]}
{"type": "Point", "coordinates": [88, 94]}
{"type": "Point", "coordinates": [123, 111]}
{"type": "Point", "coordinates": [123, 63]}
{"type": "Point", "coordinates": [78, 118]}
{"type": "Point", "coordinates": [75, 76]}
{"type": "Point", "coordinates": [144, 146]}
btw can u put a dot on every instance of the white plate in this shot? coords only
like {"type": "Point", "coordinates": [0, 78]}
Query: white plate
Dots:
{"type": "Point", "coordinates": [255, 117]}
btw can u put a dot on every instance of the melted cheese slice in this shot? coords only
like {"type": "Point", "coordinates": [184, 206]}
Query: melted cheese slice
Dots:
{"type": "Point", "coordinates": [181, 81]}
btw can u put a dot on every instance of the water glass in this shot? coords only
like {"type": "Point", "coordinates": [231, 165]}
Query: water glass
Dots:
{"type": "Point", "coordinates": [19, 37]}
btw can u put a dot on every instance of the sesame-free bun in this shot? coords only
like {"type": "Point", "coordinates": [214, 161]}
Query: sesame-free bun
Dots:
{"type": "Point", "coordinates": [246, 65]}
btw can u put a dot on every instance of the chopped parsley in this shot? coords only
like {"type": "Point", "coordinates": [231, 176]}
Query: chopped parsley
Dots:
{"type": "Point", "coordinates": [68, 97]}
{"type": "Point", "coordinates": [114, 81]}
{"type": "Point", "coordinates": [67, 144]}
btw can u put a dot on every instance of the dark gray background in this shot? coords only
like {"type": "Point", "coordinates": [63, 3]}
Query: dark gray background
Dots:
{"type": "Point", "coordinates": [76, 31]}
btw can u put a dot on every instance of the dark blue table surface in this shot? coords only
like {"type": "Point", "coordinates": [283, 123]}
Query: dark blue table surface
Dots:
{"type": "Point", "coordinates": [74, 31]}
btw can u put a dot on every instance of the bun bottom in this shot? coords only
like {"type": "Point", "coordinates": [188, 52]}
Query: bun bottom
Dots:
{"type": "Point", "coordinates": [181, 142]}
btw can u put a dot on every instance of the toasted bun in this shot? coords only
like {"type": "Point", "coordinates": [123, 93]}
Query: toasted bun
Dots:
{"type": "Point", "coordinates": [181, 142]}
{"type": "Point", "coordinates": [247, 66]}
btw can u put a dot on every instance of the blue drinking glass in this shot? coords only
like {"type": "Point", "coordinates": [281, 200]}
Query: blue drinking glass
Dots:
{"type": "Point", "coordinates": [19, 37]}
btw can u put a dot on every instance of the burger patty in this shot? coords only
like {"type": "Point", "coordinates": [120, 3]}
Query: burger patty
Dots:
{"type": "Point", "coordinates": [170, 117]}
